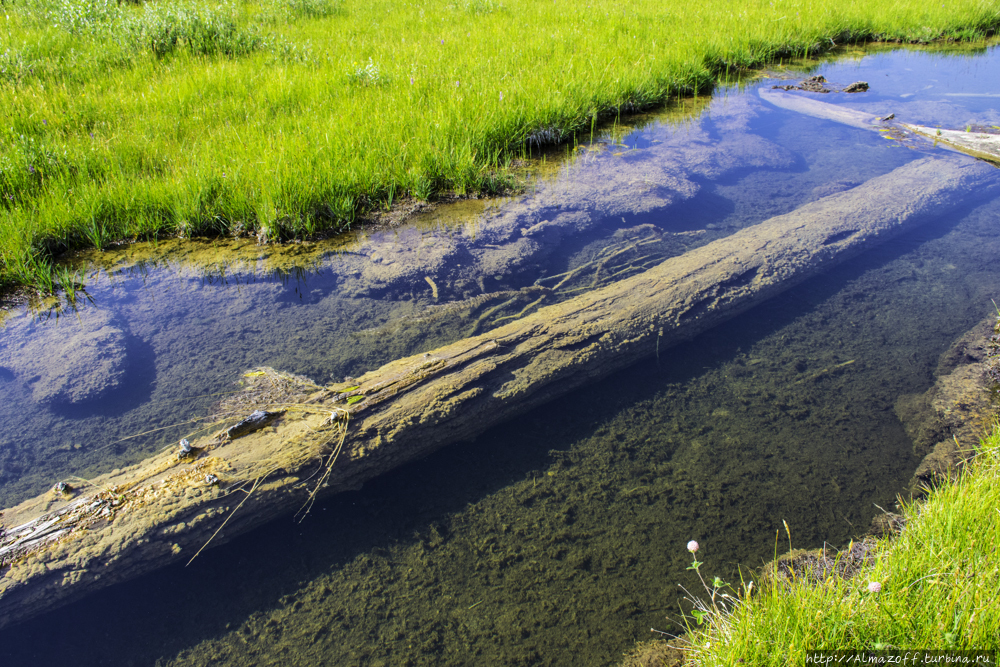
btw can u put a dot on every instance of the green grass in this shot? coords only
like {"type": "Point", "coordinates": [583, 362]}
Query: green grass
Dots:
{"type": "Point", "coordinates": [939, 588]}
{"type": "Point", "coordinates": [283, 118]}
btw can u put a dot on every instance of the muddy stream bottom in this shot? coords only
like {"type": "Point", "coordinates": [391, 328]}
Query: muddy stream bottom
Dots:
{"type": "Point", "coordinates": [559, 539]}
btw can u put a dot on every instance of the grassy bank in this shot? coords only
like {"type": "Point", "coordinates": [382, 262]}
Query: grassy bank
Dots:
{"type": "Point", "coordinates": [282, 118]}
{"type": "Point", "coordinates": [932, 587]}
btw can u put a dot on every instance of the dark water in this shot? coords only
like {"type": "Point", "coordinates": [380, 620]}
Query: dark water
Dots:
{"type": "Point", "coordinates": [557, 539]}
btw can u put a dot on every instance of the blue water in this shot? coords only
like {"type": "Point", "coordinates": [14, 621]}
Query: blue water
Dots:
{"type": "Point", "coordinates": [558, 539]}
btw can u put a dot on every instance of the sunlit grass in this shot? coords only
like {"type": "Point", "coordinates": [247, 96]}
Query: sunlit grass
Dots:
{"type": "Point", "coordinates": [932, 587]}
{"type": "Point", "coordinates": [287, 117]}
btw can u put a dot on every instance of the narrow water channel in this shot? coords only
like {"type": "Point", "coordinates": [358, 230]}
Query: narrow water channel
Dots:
{"type": "Point", "coordinates": [557, 539]}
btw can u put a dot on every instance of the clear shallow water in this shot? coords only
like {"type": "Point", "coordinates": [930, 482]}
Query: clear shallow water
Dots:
{"type": "Point", "coordinates": [557, 539]}
{"type": "Point", "coordinates": [168, 329]}
{"type": "Point", "coordinates": [950, 90]}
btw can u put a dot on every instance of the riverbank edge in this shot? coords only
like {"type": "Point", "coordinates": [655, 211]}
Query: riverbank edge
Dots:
{"type": "Point", "coordinates": [956, 423]}
{"type": "Point", "coordinates": [41, 274]}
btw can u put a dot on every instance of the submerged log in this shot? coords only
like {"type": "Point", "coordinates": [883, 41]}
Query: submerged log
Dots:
{"type": "Point", "coordinates": [977, 144]}
{"type": "Point", "coordinates": [70, 542]}
{"type": "Point", "coordinates": [982, 145]}
{"type": "Point", "coordinates": [817, 109]}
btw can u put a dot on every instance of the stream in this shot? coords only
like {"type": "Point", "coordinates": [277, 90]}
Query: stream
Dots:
{"type": "Point", "coordinates": [559, 538]}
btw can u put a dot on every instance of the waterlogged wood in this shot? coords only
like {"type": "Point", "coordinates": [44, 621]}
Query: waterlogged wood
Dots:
{"type": "Point", "coordinates": [135, 520]}
{"type": "Point", "coordinates": [817, 109]}
{"type": "Point", "coordinates": [977, 144]}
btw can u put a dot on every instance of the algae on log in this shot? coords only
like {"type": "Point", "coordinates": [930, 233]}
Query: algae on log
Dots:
{"type": "Point", "coordinates": [138, 519]}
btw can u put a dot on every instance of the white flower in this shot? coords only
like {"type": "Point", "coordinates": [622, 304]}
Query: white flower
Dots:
{"type": "Point", "coordinates": [692, 546]}
{"type": "Point", "coordinates": [874, 587]}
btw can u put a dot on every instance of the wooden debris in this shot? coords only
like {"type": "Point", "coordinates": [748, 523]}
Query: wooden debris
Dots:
{"type": "Point", "coordinates": [135, 520]}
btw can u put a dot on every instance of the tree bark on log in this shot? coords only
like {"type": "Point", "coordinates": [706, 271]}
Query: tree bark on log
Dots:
{"type": "Point", "coordinates": [56, 548]}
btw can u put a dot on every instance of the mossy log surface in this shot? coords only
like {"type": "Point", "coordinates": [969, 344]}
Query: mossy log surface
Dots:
{"type": "Point", "coordinates": [58, 547]}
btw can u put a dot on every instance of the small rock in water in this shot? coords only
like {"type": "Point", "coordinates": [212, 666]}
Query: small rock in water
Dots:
{"type": "Point", "coordinates": [817, 84]}
{"type": "Point", "coordinates": [814, 84]}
